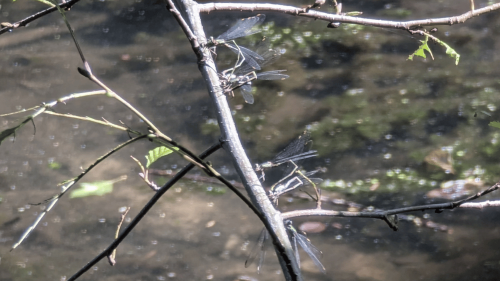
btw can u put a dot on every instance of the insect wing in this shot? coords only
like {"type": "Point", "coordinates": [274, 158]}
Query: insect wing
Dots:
{"type": "Point", "coordinates": [272, 75]}
{"type": "Point", "coordinates": [251, 57]}
{"type": "Point", "coordinates": [266, 57]}
{"type": "Point", "coordinates": [296, 158]}
{"type": "Point", "coordinates": [259, 249]}
{"type": "Point", "coordinates": [311, 250]}
{"type": "Point", "coordinates": [295, 147]}
{"type": "Point", "coordinates": [246, 92]}
{"type": "Point", "coordinates": [243, 28]}
{"type": "Point", "coordinates": [295, 248]}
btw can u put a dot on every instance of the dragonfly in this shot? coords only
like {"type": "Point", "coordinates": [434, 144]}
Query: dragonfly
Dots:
{"type": "Point", "coordinates": [242, 77]}
{"type": "Point", "coordinates": [302, 179]}
{"type": "Point", "coordinates": [242, 28]}
{"type": "Point", "coordinates": [305, 244]}
{"type": "Point", "coordinates": [292, 153]}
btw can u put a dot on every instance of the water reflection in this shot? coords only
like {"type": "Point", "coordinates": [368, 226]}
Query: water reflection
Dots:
{"type": "Point", "coordinates": [377, 120]}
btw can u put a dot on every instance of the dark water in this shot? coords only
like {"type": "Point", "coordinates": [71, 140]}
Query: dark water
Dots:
{"type": "Point", "coordinates": [376, 119]}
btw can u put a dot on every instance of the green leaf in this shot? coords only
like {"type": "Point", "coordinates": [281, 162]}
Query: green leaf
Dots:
{"type": "Point", "coordinates": [451, 52]}
{"type": "Point", "coordinates": [97, 188]}
{"type": "Point", "coordinates": [495, 124]}
{"type": "Point", "coordinates": [421, 50]}
{"type": "Point", "coordinates": [55, 166]}
{"type": "Point", "coordinates": [47, 2]}
{"type": "Point", "coordinates": [157, 153]}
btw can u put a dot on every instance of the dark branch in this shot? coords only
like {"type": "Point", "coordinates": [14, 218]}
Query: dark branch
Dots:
{"type": "Point", "coordinates": [185, 27]}
{"type": "Point", "coordinates": [387, 216]}
{"type": "Point", "coordinates": [142, 213]}
{"type": "Point", "coordinates": [67, 5]}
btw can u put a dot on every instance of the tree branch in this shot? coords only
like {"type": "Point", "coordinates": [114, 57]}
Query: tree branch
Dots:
{"type": "Point", "coordinates": [384, 215]}
{"type": "Point", "coordinates": [9, 27]}
{"type": "Point", "coordinates": [142, 213]}
{"type": "Point", "coordinates": [291, 10]}
{"type": "Point", "coordinates": [273, 220]}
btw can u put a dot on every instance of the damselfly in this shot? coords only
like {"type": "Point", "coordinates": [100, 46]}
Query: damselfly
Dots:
{"type": "Point", "coordinates": [292, 153]}
{"type": "Point", "coordinates": [300, 180]}
{"type": "Point", "coordinates": [305, 243]}
{"type": "Point", "coordinates": [242, 77]}
{"type": "Point", "coordinates": [242, 28]}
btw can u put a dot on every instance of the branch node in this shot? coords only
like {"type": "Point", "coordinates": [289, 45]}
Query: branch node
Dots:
{"type": "Point", "coordinates": [392, 221]}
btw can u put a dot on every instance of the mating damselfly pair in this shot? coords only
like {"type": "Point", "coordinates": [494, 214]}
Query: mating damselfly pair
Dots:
{"type": "Point", "coordinates": [292, 179]}
{"type": "Point", "coordinates": [241, 75]}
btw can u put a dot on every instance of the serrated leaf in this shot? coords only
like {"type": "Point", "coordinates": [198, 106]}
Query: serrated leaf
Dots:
{"type": "Point", "coordinates": [157, 153]}
{"type": "Point", "coordinates": [495, 124]}
{"type": "Point", "coordinates": [97, 188]}
{"type": "Point", "coordinates": [421, 50]}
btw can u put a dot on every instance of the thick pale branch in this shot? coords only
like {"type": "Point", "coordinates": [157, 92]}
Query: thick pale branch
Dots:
{"type": "Point", "coordinates": [384, 214]}
{"type": "Point", "coordinates": [481, 205]}
{"type": "Point", "coordinates": [232, 143]}
{"type": "Point", "coordinates": [291, 10]}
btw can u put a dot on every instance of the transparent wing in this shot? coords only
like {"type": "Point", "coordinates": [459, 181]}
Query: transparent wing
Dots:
{"type": "Point", "coordinates": [312, 251]}
{"type": "Point", "coordinates": [272, 75]}
{"type": "Point", "coordinates": [251, 58]}
{"type": "Point", "coordinates": [267, 56]}
{"type": "Point", "coordinates": [246, 92]}
{"type": "Point", "coordinates": [294, 148]}
{"type": "Point", "coordinates": [258, 250]}
{"type": "Point", "coordinates": [243, 28]}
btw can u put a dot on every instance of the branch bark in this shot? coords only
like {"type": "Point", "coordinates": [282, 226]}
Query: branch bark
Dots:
{"type": "Point", "coordinates": [304, 12]}
{"type": "Point", "coordinates": [229, 135]}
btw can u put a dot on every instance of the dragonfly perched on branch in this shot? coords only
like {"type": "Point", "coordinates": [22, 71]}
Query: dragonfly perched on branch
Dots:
{"type": "Point", "coordinates": [242, 77]}
{"type": "Point", "coordinates": [244, 27]}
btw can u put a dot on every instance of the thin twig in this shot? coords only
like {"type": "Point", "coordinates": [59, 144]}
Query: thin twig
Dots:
{"type": "Point", "coordinates": [142, 213]}
{"type": "Point", "coordinates": [66, 5]}
{"type": "Point", "coordinates": [199, 178]}
{"type": "Point", "coordinates": [112, 257]}
{"type": "Point", "coordinates": [385, 215]}
{"type": "Point", "coordinates": [86, 118]}
{"type": "Point", "coordinates": [67, 185]}
{"type": "Point", "coordinates": [64, 99]}
{"type": "Point", "coordinates": [185, 27]}
{"type": "Point", "coordinates": [156, 133]}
